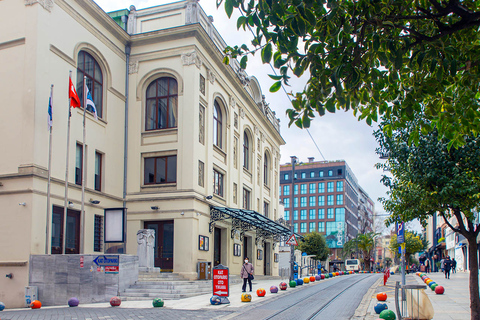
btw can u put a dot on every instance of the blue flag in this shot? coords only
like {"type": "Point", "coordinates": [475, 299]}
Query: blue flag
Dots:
{"type": "Point", "coordinates": [91, 104]}
{"type": "Point", "coordinates": [50, 111]}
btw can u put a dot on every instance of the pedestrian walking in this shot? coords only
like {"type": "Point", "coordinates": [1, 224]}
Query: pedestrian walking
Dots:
{"type": "Point", "coordinates": [454, 265]}
{"type": "Point", "coordinates": [427, 266]}
{"type": "Point", "coordinates": [447, 265]}
{"type": "Point", "coordinates": [247, 274]}
{"type": "Point", "coordinates": [442, 264]}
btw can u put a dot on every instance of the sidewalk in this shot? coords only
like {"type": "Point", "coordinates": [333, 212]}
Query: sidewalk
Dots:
{"type": "Point", "coordinates": [454, 304]}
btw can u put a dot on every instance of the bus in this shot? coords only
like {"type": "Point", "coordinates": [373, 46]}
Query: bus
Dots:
{"type": "Point", "coordinates": [352, 265]}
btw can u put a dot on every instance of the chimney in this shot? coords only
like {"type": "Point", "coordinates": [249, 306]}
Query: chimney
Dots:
{"type": "Point", "coordinates": [310, 159]}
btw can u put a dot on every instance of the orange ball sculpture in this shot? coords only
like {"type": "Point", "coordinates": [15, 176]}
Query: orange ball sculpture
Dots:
{"type": "Point", "coordinates": [35, 304]}
{"type": "Point", "coordinates": [382, 296]}
{"type": "Point", "coordinates": [261, 292]}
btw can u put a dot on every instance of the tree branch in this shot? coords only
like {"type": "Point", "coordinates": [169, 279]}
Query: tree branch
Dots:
{"type": "Point", "coordinates": [449, 224]}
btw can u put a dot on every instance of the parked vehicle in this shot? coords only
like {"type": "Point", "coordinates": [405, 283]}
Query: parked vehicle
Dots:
{"type": "Point", "coordinates": [352, 265]}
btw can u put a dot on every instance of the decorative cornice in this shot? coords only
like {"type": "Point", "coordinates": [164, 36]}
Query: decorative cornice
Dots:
{"type": "Point", "coordinates": [133, 67]}
{"type": "Point", "coordinates": [210, 76]}
{"type": "Point", "coordinates": [46, 4]}
{"type": "Point", "coordinates": [192, 58]}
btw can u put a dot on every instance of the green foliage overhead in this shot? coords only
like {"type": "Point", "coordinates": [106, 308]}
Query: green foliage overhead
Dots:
{"type": "Point", "coordinates": [314, 243]}
{"type": "Point", "coordinates": [413, 244]}
{"type": "Point", "coordinates": [380, 58]}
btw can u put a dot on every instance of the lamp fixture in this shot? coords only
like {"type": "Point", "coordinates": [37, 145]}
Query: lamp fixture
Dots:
{"type": "Point", "coordinates": [209, 197]}
{"type": "Point", "coordinates": [22, 204]}
{"type": "Point", "coordinates": [154, 207]}
{"type": "Point", "coordinates": [94, 201]}
{"type": "Point", "coordinates": [70, 204]}
{"type": "Point", "coordinates": [10, 275]}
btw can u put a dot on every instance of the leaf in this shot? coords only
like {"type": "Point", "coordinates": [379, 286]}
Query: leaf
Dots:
{"type": "Point", "coordinates": [241, 21]}
{"type": "Point", "coordinates": [229, 8]}
{"type": "Point", "coordinates": [276, 86]}
{"type": "Point", "coordinates": [388, 23]}
{"type": "Point", "coordinates": [274, 77]}
{"type": "Point", "coordinates": [267, 53]}
{"type": "Point", "coordinates": [226, 60]}
{"type": "Point", "coordinates": [243, 62]}
{"type": "Point", "coordinates": [330, 105]}
{"type": "Point", "coordinates": [376, 42]}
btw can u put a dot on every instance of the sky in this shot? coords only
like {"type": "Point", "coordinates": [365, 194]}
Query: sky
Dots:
{"type": "Point", "coordinates": [339, 136]}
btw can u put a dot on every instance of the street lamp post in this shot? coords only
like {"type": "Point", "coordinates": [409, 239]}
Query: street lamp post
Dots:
{"type": "Point", "coordinates": [292, 247]}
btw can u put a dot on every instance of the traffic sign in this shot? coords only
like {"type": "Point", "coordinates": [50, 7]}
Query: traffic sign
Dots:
{"type": "Point", "coordinates": [103, 261]}
{"type": "Point", "coordinates": [400, 233]}
{"type": "Point", "coordinates": [292, 241]}
{"type": "Point", "coordinates": [220, 282]}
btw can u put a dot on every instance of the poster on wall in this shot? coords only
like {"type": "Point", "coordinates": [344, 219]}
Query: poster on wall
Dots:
{"type": "Point", "coordinates": [114, 225]}
{"type": "Point", "coordinates": [236, 250]}
{"type": "Point", "coordinates": [275, 257]}
{"type": "Point", "coordinates": [203, 243]}
{"type": "Point", "coordinates": [259, 254]}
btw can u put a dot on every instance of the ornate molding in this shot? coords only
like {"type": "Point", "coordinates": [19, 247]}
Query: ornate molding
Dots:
{"type": "Point", "coordinates": [133, 67]}
{"type": "Point", "coordinates": [232, 102]}
{"type": "Point", "coordinates": [243, 77]}
{"type": "Point", "coordinates": [242, 112]}
{"type": "Point", "coordinates": [256, 130]}
{"type": "Point", "coordinates": [210, 76]}
{"type": "Point", "coordinates": [191, 58]}
{"type": "Point", "coordinates": [46, 4]}
{"type": "Point", "coordinates": [191, 12]}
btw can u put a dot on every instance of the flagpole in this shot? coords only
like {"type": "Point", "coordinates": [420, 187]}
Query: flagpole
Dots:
{"type": "Point", "coordinates": [82, 220]}
{"type": "Point", "coordinates": [65, 202]}
{"type": "Point", "coordinates": [47, 231]}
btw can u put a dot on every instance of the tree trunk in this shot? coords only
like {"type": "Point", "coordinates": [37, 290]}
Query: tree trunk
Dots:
{"type": "Point", "coordinates": [473, 266]}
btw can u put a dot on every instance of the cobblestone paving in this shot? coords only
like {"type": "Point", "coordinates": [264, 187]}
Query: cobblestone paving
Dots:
{"type": "Point", "coordinates": [110, 314]}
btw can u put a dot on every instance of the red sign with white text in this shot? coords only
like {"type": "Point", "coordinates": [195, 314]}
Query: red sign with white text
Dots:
{"type": "Point", "coordinates": [220, 282]}
{"type": "Point", "coordinates": [111, 269]}
{"type": "Point", "coordinates": [81, 261]}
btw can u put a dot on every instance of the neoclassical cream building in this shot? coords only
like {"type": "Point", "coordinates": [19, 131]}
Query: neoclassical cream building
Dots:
{"type": "Point", "coordinates": [185, 143]}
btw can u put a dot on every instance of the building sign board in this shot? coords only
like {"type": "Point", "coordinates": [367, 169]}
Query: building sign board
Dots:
{"type": "Point", "coordinates": [220, 282]}
{"type": "Point", "coordinates": [400, 233]}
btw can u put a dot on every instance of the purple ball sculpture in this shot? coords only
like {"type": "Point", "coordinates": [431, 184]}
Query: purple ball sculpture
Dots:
{"type": "Point", "coordinates": [73, 302]}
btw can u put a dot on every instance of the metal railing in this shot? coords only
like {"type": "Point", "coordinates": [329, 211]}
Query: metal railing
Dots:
{"type": "Point", "coordinates": [407, 301]}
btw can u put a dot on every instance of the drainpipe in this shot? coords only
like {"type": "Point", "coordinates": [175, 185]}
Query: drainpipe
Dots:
{"type": "Point", "coordinates": [125, 143]}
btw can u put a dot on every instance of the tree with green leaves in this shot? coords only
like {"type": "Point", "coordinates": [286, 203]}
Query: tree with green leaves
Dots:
{"type": "Point", "coordinates": [349, 247]}
{"type": "Point", "coordinates": [365, 242]}
{"type": "Point", "coordinates": [314, 243]}
{"type": "Point", "coordinates": [380, 58]}
{"type": "Point", "coordinates": [413, 244]}
{"type": "Point", "coordinates": [429, 178]}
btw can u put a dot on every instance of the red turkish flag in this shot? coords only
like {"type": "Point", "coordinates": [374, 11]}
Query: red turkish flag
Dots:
{"type": "Point", "coordinates": [72, 95]}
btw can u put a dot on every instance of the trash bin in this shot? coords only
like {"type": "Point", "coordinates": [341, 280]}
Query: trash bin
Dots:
{"type": "Point", "coordinates": [204, 269]}
{"type": "Point", "coordinates": [31, 293]}
{"type": "Point", "coordinates": [412, 302]}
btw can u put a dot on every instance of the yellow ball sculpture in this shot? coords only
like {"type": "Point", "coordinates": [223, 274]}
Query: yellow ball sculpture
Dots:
{"type": "Point", "coordinates": [246, 297]}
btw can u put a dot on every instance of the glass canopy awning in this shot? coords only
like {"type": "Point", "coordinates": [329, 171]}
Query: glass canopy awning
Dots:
{"type": "Point", "coordinates": [248, 220]}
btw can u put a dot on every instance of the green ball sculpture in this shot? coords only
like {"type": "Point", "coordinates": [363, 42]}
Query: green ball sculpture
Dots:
{"type": "Point", "coordinates": [387, 315]}
{"type": "Point", "coordinates": [292, 284]}
{"type": "Point", "coordinates": [157, 303]}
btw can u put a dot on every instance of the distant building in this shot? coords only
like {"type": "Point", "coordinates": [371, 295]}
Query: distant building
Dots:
{"type": "Point", "coordinates": [324, 196]}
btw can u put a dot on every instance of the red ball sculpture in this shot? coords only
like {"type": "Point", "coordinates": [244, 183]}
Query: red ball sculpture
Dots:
{"type": "Point", "coordinates": [312, 279]}
{"type": "Point", "coordinates": [35, 304]}
{"type": "Point", "coordinates": [382, 296]}
{"type": "Point", "coordinates": [322, 276]}
{"type": "Point", "coordinates": [261, 292]}
{"type": "Point", "coordinates": [115, 301]}
{"type": "Point", "coordinates": [439, 290]}
{"type": "Point", "coordinates": [283, 286]}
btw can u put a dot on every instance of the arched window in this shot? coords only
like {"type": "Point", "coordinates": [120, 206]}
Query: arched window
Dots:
{"type": "Point", "coordinates": [89, 67]}
{"type": "Point", "coordinates": [265, 169]}
{"type": "Point", "coordinates": [217, 125]}
{"type": "Point", "coordinates": [246, 154]}
{"type": "Point", "coordinates": [162, 101]}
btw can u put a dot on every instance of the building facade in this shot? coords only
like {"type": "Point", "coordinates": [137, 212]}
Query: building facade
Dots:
{"type": "Point", "coordinates": [184, 143]}
{"type": "Point", "coordinates": [324, 196]}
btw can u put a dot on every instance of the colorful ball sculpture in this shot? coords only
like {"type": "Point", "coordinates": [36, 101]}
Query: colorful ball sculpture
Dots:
{"type": "Point", "coordinates": [382, 296]}
{"type": "Point", "coordinates": [433, 287]}
{"type": "Point", "coordinates": [439, 290]}
{"type": "Point", "coordinates": [431, 283]}
{"type": "Point", "coordinates": [387, 315]}
{"type": "Point", "coordinates": [2, 306]}
{"type": "Point", "coordinates": [246, 297]}
{"type": "Point", "coordinates": [322, 276]}
{"type": "Point", "coordinates": [327, 275]}
{"type": "Point", "coordinates": [306, 280]}
{"type": "Point", "coordinates": [283, 286]}
{"type": "Point", "coordinates": [35, 304]}
{"type": "Point", "coordinates": [330, 275]}
{"type": "Point", "coordinates": [215, 300]}
{"type": "Point", "coordinates": [299, 282]}
{"type": "Point", "coordinates": [318, 277]}
{"type": "Point", "coordinates": [115, 301]}
{"type": "Point", "coordinates": [292, 284]}
{"type": "Point", "coordinates": [312, 279]}
{"type": "Point", "coordinates": [261, 292]}
{"type": "Point", "coordinates": [380, 307]}
{"type": "Point", "coordinates": [428, 281]}
{"type": "Point", "coordinates": [392, 272]}
{"type": "Point", "coordinates": [157, 303]}
{"type": "Point", "coordinates": [274, 289]}
{"type": "Point", "coordinates": [73, 302]}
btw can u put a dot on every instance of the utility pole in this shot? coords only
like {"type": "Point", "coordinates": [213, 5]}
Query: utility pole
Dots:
{"type": "Point", "coordinates": [292, 247]}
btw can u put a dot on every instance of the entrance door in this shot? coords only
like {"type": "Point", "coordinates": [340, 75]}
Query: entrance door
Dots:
{"type": "Point", "coordinates": [217, 247]}
{"type": "Point", "coordinates": [266, 259]}
{"type": "Point", "coordinates": [73, 231]}
{"type": "Point", "coordinates": [163, 250]}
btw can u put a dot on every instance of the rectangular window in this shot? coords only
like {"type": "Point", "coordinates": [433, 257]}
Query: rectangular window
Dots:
{"type": "Point", "coordinates": [330, 173]}
{"type": "Point", "coordinates": [312, 214]}
{"type": "Point", "coordinates": [265, 209]}
{"type": "Point", "coordinates": [330, 187]}
{"type": "Point", "coordinates": [160, 170]}
{"type": "Point", "coordinates": [312, 174]}
{"type": "Point", "coordinates": [98, 234]}
{"type": "Point", "coordinates": [330, 200]}
{"type": "Point", "coordinates": [303, 214]}
{"type": "Point", "coordinates": [98, 171]}
{"type": "Point", "coordinates": [339, 186]}
{"type": "Point", "coordinates": [303, 188]}
{"type": "Point", "coordinates": [303, 201]}
{"type": "Point", "coordinates": [295, 227]}
{"type": "Point", "coordinates": [330, 213]}
{"type": "Point", "coordinates": [321, 226]}
{"type": "Point", "coordinates": [295, 176]}
{"type": "Point", "coordinates": [218, 183]}
{"type": "Point", "coordinates": [321, 187]}
{"type": "Point", "coordinates": [295, 214]}
{"type": "Point", "coordinates": [321, 214]}
{"type": "Point", "coordinates": [285, 176]}
{"type": "Point", "coordinates": [339, 172]}
{"type": "Point", "coordinates": [304, 175]}
{"type": "Point", "coordinates": [201, 173]}
{"type": "Point", "coordinates": [311, 227]}
{"type": "Point", "coordinates": [246, 199]}
{"type": "Point", "coordinates": [286, 202]}
{"type": "Point", "coordinates": [286, 215]}
{"type": "Point", "coordinates": [78, 164]}
{"type": "Point", "coordinates": [321, 201]}
{"type": "Point", "coordinates": [339, 199]}
{"type": "Point", "coordinates": [303, 227]}
{"type": "Point", "coordinates": [320, 174]}
{"type": "Point", "coordinates": [312, 188]}
{"type": "Point", "coordinates": [331, 227]}
{"type": "Point", "coordinates": [340, 214]}
{"type": "Point", "coordinates": [286, 190]}
{"type": "Point", "coordinates": [295, 189]}
{"type": "Point", "coordinates": [295, 202]}
{"type": "Point", "coordinates": [311, 201]}
{"type": "Point", "coordinates": [235, 193]}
